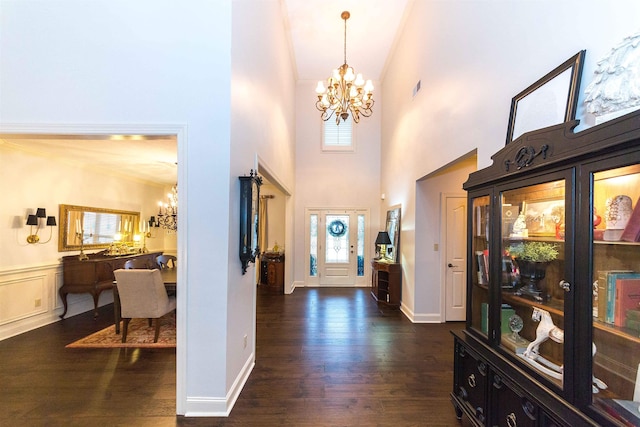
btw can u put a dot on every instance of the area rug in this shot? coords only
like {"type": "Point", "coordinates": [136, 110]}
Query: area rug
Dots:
{"type": "Point", "coordinates": [139, 335]}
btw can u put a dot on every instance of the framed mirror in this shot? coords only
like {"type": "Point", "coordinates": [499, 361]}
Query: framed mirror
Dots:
{"type": "Point", "coordinates": [95, 228]}
{"type": "Point", "coordinates": [249, 220]}
{"type": "Point", "coordinates": [550, 101]}
{"type": "Point", "coordinates": [393, 228]}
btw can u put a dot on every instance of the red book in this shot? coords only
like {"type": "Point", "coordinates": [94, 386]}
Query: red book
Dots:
{"type": "Point", "coordinates": [631, 232]}
{"type": "Point", "coordinates": [627, 297]}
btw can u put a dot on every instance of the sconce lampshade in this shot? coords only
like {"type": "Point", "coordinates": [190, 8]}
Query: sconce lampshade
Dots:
{"type": "Point", "coordinates": [383, 238]}
{"type": "Point", "coordinates": [51, 221]}
{"type": "Point", "coordinates": [32, 220]}
{"type": "Point", "coordinates": [41, 213]}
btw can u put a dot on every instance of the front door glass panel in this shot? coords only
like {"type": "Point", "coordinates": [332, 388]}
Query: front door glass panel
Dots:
{"type": "Point", "coordinates": [337, 239]}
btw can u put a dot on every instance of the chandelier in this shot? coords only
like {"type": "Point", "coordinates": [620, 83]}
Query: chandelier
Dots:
{"type": "Point", "coordinates": [346, 92]}
{"type": "Point", "coordinates": [168, 213]}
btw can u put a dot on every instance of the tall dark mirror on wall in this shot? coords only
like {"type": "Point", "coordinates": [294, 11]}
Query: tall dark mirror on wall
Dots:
{"type": "Point", "coordinates": [392, 252]}
{"type": "Point", "coordinates": [249, 203]}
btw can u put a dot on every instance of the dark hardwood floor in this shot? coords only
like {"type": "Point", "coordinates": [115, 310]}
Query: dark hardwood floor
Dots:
{"type": "Point", "coordinates": [324, 357]}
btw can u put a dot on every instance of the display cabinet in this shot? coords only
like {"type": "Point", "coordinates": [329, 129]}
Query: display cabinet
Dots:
{"type": "Point", "coordinates": [553, 312]}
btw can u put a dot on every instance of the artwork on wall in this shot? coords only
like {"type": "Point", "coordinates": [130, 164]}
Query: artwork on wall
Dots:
{"type": "Point", "coordinates": [613, 90]}
{"type": "Point", "coordinates": [551, 100]}
{"type": "Point", "coordinates": [393, 228]}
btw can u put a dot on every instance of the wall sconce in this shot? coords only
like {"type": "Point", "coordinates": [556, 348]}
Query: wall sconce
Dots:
{"type": "Point", "coordinates": [382, 241]}
{"type": "Point", "coordinates": [153, 222]}
{"type": "Point", "coordinates": [32, 220]}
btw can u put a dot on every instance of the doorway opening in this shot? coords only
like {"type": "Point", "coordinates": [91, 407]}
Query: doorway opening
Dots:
{"type": "Point", "coordinates": [436, 244]}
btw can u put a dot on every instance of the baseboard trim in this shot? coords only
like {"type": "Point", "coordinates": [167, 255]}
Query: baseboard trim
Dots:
{"type": "Point", "coordinates": [420, 318]}
{"type": "Point", "coordinates": [217, 406]}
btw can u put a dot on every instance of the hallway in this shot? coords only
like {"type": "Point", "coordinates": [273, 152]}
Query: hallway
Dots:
{"type": "Point", "coordinates": [325, 357]}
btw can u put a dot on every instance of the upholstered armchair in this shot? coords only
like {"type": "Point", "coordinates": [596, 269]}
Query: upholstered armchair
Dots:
{"type": "Point", "coordinates": [142, 295]}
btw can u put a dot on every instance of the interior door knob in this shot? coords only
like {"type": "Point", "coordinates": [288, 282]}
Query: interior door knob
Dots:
{"type": "Point", "coordinates": [451, 265]}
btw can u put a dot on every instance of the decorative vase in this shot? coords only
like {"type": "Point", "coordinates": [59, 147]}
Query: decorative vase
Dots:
{"type": "Point", "coordinates": [532, 273]}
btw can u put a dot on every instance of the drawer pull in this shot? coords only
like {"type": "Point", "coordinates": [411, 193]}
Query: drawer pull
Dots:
{"type": "Point", "coordinates": [482, 367]}
{"type": "Point", "coordinates": [511, 420]}
{"type": "Point", "coordinates": [471, 380]}
{"type": "Point", "coordinates": [497, 382]}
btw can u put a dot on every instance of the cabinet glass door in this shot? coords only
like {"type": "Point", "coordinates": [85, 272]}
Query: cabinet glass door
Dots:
{"type": "Point", "coordinates": [531, 315]}
{"type": "Point", "coordinates": [480, 264]}
{"type": "Point", "coordinates": [616, 291]}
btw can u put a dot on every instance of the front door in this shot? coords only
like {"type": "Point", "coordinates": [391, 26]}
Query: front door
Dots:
{"type": "Point", "coordinates": [337, 247]}
{"type": "Point", "coordinates": [455, 241]}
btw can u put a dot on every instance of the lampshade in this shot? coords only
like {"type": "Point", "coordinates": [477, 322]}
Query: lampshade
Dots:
{"type": "Point", "coordinates": [32, 220]}
{"type": "Point", "coordinates": [51, 221]}
{"type": "Point", "coordinates": [41, 213]}
{"type": "Point", "coordinates": [383, 238]}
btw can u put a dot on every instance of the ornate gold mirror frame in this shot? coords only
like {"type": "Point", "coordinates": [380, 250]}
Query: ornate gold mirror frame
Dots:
{"type": "Point", "coordinates": [95, 228]}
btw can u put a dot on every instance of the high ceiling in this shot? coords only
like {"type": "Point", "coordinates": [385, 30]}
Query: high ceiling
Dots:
{"type": "Point", "coordinates": [317, 39]}
{"type": "Point", "coordinates": [317, 35]}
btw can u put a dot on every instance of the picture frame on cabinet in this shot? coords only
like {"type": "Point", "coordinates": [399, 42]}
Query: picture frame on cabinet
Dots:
{"type": "Point", "coordinates": [551, 100]}
{"type": "Point", "coordinates": [544, 216]}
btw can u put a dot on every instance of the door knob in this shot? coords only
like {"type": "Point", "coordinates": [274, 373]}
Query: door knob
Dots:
{"type": "Point", "coordinates": [451, 265]}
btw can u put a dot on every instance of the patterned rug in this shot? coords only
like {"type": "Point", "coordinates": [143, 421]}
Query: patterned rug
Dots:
{"type": "Point", "coordinates": [139, 335]}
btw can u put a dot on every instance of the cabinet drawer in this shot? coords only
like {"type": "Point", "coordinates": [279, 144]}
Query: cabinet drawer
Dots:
{"type": "Point", "coordinates": [471, 383]}
{"type": "Point", "coordinates": [510, 407]}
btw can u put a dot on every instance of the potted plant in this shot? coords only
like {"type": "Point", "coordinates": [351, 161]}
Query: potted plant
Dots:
{"type": "Point", "coordinates": [532, 259]}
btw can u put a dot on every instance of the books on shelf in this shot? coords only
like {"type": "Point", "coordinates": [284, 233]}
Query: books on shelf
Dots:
{"type": "Point", "coordinates": [607, 280]}
{"type": "Point", "coordinates": [482, 259]}
{"type": "Point", "coordinates": [632, 319]}
{"type": "Point", "coordinates": [627, 298]}
{"type": "Point", "coordinates": [507, 312]}
{"type": "Point", "coordinates": [509, 216]}
{"type": "Point", "coordinates": [482, 221]}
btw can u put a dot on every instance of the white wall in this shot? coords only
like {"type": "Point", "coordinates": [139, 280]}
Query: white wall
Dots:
{"type": "Point", "coordinates": [262, 127]}
{"type": "Point", "coordinates": [472, 58]}
{"type": "Point", "coordinates": [334, 180]}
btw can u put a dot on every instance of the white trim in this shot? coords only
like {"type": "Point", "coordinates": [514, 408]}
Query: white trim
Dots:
{"type": "Point", "coordinates": [218, 407]}
{"type": "Point", "coordinates": [420, 317]}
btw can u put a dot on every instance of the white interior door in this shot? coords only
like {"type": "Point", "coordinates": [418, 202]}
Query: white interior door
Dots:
{"type": "Point", "coordinates": [455, 240]}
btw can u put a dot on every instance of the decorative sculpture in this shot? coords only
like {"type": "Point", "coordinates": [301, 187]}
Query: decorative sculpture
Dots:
{"type": "Point", "coordinates": [615, 82]}
{"type": "Point", "coordinates": [548, 330]}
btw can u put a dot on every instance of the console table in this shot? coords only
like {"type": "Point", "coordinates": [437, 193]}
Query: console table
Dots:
{"type": "Point", "coordinates": [386, 282]}
{"type": "Point", "coordinates": [272, 271]}
{"type": "Point", "coordinates": [95, 274]}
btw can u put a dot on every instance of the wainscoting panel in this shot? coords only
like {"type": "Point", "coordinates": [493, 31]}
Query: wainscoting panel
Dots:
{"type": "Point", "coordinates": [29, 298]}
{"type": "Point", "coordinates": [24, 297]}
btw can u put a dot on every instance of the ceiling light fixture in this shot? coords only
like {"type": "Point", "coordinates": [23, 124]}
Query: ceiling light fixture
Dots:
{"type": "Point", "coordinates": [345, 91]}
{"type": "Point", "coordinates": [168, 212]}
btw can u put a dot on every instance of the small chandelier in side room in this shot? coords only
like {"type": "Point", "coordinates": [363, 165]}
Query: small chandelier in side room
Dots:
{"type": "Point", "coordinates": [346, 92]}
{"type": "Point", "coordinates": [168, 212]}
